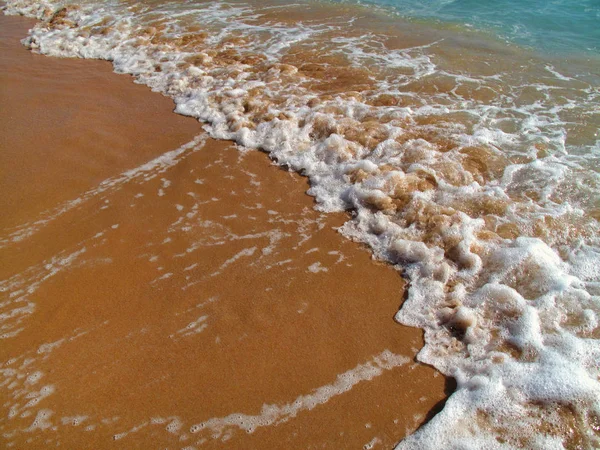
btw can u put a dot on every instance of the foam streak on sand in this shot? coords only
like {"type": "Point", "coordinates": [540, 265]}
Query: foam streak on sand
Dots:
{"type": "Point", "coordinates": [20, 288]}
{"type": "Point", "coordinates": [221, 428]}
{"type": "Point", "coordinates": [478, 181]}
{"type": "Point", "coordinates": [146, 171]}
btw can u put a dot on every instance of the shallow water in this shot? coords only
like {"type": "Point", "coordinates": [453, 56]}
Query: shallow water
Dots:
{"type": "Point", "coordinates": [566, 26]}
{"type": "Point", "coordinates": [469, 163]}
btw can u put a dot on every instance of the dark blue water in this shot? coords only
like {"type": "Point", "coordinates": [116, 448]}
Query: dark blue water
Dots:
{"type": "Point", "coordinates": [564, 26]}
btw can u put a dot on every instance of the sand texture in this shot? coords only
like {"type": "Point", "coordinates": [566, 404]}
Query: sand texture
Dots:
{"type": "Point", "coordinates": [161, 289]}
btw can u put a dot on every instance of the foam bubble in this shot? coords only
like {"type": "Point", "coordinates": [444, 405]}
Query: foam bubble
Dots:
{"type": "Point", "coordinates": [74, 421]}
{"type": "Point", "coordinates": [34, 377]}
{"type": "Point", "coordinates": [317, 267]}
{"type": "Point", "coordinates": [42, 420]}
{"type": "Point", "coordinates": [174, 426]}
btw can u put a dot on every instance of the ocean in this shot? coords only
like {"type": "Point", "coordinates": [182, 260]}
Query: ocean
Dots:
{"type": "Point", "coordinates": [464, 139]}
{"type": "Point", "coordinates": [564, 26]}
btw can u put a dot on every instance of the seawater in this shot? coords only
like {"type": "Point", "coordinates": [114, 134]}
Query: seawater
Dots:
{"type": "Point", "coordinates": [564, 26]}
{"type": "Point", "coordinates": [465, 143]}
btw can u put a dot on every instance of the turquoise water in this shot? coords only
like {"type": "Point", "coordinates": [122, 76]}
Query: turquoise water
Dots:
{"type": "Point", "coordinates": [564, 26]}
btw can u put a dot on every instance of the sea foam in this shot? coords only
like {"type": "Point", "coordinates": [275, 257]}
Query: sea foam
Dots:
{"type": "Point", "coordinates": [477, 181]}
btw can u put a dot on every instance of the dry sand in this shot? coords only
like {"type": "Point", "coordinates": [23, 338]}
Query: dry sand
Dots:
{"type": "Point", "coordinates": [191, 289]}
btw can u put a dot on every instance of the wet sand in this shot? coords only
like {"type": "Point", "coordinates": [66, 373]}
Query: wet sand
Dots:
{"type": "Point", "coordinates": [156, 301]}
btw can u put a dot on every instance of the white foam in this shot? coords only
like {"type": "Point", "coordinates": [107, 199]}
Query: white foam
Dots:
{"type": "Point", "coordinates": [18, 306]}
{"type": "Point", "coordinates": [74, 420]}
{"type": "Point", "coordinates": [317, 267]}
{"type": "Point", "coordinates": [195, 327]}
{"type": "Point", "coordinates": [372, 443]}
{"type": "Point", "coordinates": [146, 171]}
{"type": "Point", "coordinates": [247, 252]}
{"type": "Point", "coordinates": [221, 428]}
{"type": "Point", "coordinates": [42, 420]}
{"type": "Point", "coordinates": [443, 195]}
{"type": "Point", "coordinates": [174, 426]}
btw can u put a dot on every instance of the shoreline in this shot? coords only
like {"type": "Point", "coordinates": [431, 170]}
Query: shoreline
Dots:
{"type": "Point", "coordinates": [457, 170]}
{"type": "Point", "coordinates": [141, 240]}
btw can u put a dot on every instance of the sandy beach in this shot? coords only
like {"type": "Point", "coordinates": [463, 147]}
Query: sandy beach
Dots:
{"type": "Point", "coordinates": [161, 289]}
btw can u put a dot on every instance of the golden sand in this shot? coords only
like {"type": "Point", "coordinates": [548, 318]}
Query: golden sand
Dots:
{"type": "Point", "coordinates": [162, 302]}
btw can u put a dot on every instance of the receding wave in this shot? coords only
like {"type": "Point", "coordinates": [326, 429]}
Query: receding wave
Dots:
{"type": "Point", "coordinates": [470, 165]}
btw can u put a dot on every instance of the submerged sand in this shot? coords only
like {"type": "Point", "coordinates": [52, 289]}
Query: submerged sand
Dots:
{"type": "Point", "coordinates": [153, 302]}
